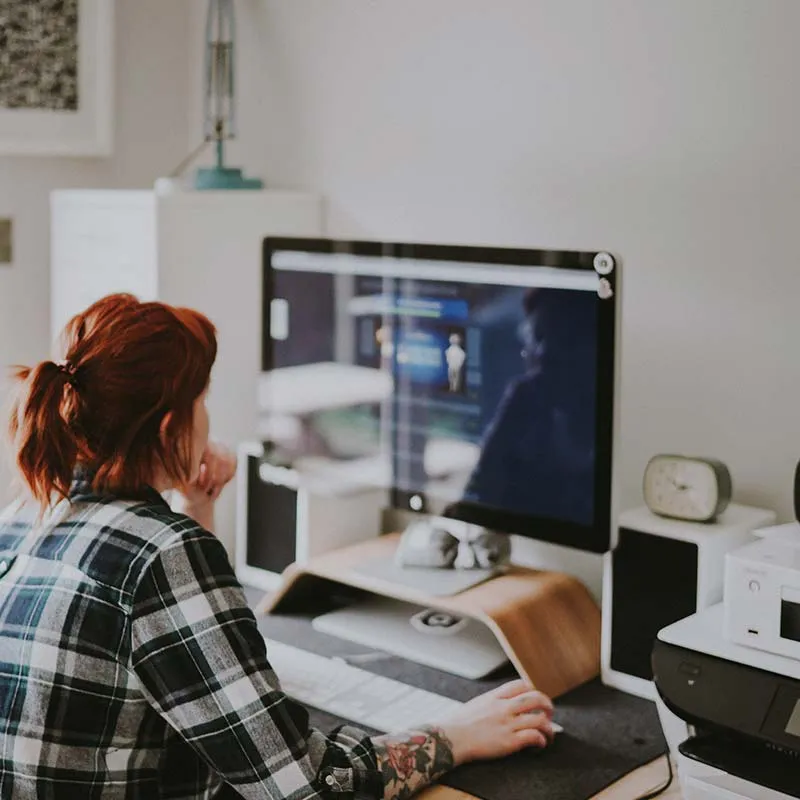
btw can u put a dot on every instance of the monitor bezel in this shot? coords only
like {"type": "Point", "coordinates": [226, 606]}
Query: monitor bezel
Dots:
{"type": "Point", "coordinates": [595, 537]}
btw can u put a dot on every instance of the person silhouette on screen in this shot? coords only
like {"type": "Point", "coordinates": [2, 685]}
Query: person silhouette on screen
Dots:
{"type": "Point", "coordinates": [455, 356]}
{"type": "Point", "coordinates": [537, 455]}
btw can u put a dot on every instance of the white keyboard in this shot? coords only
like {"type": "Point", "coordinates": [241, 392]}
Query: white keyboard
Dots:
{"type": "Point", "coordinates": [355, 694]}
{"type": "Point", "coordinates": [352, 693]}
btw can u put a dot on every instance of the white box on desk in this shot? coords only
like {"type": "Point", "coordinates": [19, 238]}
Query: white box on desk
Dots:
{"type": "Point", "coordinates": [661, 571]}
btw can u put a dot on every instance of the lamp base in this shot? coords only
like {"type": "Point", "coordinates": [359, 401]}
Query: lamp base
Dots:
{"type": "Point", "coordinates": [208, 178]}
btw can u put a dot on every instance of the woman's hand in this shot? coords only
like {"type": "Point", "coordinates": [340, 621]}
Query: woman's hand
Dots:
{"type": "Point", "coordinates": [500, 722]}
{"type": "Point", "coordinates": [217, 468]}
{"type": "Point", "coordinates": [493, 725]}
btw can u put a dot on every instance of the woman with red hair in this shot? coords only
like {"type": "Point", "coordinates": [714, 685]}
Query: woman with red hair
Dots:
{"type": "Point", "coordinates": [130, 664]}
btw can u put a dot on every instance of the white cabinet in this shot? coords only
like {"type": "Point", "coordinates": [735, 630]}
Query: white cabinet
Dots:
{"type": "Point", "coordinates": [198, 249]}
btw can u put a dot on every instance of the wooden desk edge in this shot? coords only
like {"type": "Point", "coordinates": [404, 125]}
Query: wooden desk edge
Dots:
{"type": "Point", "coordinates": [640, 781]}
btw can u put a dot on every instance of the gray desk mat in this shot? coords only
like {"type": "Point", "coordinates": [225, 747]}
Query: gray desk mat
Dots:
{"type": "Point", "coordinates": [607, 733]}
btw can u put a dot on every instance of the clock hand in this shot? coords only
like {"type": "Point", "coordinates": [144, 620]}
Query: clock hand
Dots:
{"type": "Point", "coordinates": [681, 487]}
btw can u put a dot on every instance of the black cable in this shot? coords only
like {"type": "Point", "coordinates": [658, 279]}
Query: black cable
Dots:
{"type": "Point", "coordinates": [660, 789]}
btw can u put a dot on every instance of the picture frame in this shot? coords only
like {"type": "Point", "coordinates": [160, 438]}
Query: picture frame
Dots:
{"type": "Point", "coordinates": [86, 130]}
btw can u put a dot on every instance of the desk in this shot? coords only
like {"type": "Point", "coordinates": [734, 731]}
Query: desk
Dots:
{"type": "Point", "coordinates": [578, 753]}
{"type": "Point", "coordinates": [635, 784]}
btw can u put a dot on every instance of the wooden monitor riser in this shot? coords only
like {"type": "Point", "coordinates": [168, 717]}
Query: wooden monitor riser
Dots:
{"type": "Point", "coordinates": [547, 622]}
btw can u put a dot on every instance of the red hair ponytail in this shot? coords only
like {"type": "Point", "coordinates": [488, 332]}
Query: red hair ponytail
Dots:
{"type": "Point", "coordinates": [46, 448]}
{"type": "Point", "coordinates": [128, 364]}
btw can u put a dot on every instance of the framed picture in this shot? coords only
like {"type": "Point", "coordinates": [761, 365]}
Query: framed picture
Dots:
{"type": "Point", "coordinates": [56, 77]}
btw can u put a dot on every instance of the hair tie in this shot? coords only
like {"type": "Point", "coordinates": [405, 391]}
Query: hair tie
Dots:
{"type": "Point", "coordinates": [69, 369]}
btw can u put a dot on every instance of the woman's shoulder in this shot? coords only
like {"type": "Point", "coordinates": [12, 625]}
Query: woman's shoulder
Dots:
{"type": "Point", "coordinates": [170, 538]}
{"type": "Point", "coordinates": [158, 523]}
{"type": "Point", "coordinates": [154, 527]}
{"type": "Point", "coordinates": [105, 542]}
{"type": "Point", "coordinates": [114, 541]}
{"type": "Point", "coordinates": [16, 520]}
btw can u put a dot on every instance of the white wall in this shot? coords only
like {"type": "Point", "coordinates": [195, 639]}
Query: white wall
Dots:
{"type": "Point", "coordinates": [151, 121]}
{"type": "Point", "coordinates": [667, 132]}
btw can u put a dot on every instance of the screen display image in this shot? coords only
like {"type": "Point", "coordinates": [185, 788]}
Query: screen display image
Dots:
{"type": "Point", "coordinates": [470, 389]}
{"type": "Point", "coordinates": [508, 372]}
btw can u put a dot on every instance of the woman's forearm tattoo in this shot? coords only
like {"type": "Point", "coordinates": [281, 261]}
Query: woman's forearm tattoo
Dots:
{"type": "Point", "coordinates": [411, 761]}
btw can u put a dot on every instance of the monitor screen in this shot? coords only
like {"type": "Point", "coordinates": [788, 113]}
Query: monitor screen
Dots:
{"type": "Point", "coordinates": [475, 383]}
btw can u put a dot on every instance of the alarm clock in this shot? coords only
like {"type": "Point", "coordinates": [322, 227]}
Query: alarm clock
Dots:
{"type": "Point", "coordinates": [687, 488]}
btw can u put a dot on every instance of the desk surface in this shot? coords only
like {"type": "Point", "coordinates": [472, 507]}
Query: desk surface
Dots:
{"type": "Point", "coordinates": [633, 785]}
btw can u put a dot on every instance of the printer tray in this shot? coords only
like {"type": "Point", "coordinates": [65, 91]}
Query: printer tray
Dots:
{"type": "Point", "coordinates": [748, 760]}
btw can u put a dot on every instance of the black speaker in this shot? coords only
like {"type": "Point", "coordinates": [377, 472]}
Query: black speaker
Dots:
{"type": "Point", "coordinates": [655, 584]}
{"type": "Point", "coordinates": [286, 516]}
{"type": "Point", "coordinates": [797, 492]}
{"type": "Point", "coordinates": [661, 571]}
{"type": "Point", "coordinates": [271, 513]}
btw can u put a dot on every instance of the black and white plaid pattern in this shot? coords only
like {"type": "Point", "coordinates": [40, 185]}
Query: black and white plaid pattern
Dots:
{"type": "Point", "coordinates": [131, 667]}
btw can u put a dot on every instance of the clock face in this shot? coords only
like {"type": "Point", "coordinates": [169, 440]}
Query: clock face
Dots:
{"type": "Point", "coordinates": [681, 487]}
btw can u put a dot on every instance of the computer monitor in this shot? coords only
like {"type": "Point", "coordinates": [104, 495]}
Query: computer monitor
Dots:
{"type": "Point", "coordinates": [475, 383]}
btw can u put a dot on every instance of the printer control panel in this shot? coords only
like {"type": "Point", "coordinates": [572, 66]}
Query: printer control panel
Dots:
{"type": "Point", "coordinates": [782, 723]}
{"type": "Point", "coordinates": [702, 688]}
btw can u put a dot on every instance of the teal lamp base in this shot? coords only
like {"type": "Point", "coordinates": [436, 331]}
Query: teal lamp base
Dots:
{"type": "Point", "coordinates": [210, 178]}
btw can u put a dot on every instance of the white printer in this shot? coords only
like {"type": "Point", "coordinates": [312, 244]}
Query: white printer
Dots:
{"type": "Point", "coordinates": [740, 707]}
{"type": "Point", "coordinates": [728, 678]}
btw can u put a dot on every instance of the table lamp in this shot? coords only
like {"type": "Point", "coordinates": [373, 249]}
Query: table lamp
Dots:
{"type": "Point", "coordinates": [219, 100]}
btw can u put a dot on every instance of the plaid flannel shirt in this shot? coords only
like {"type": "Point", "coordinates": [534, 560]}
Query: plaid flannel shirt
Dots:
{"type": "Point", "coordinates": [131, 667]}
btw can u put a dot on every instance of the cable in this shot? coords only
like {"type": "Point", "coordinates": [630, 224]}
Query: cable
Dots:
{"type": "Point", "coordinates": [661, 789]}
{"type": "Point", "coordinates": [178, 171]}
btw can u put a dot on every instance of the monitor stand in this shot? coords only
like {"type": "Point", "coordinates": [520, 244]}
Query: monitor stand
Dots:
{"type": "Point", "coordinates": [547, 623]}
{"type": "Point", "coordinates": [442, 556]}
